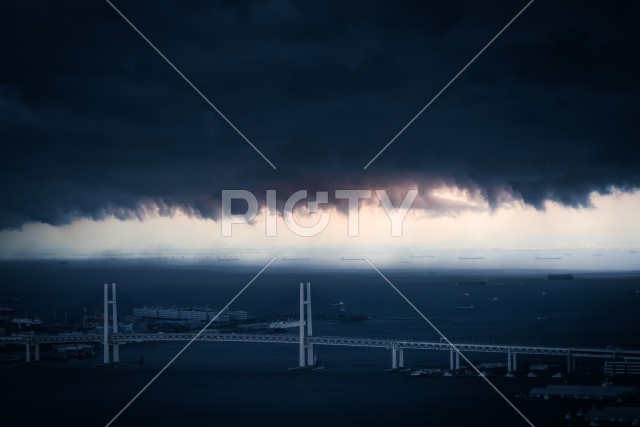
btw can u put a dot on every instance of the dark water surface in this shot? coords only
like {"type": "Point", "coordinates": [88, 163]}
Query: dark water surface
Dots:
{"type": "Point", "coordinates": [250, 384]}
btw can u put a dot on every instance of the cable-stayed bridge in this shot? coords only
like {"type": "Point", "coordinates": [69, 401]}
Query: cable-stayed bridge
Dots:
{"type": "Point", "coordinates": [306, 342]}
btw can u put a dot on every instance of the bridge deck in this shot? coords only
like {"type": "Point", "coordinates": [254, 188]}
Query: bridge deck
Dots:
{"type": "Point", "coordinates": [320, 340]}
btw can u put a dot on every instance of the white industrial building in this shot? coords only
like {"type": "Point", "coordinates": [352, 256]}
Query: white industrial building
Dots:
{"type": "Point", "coordinates": [193, 314]}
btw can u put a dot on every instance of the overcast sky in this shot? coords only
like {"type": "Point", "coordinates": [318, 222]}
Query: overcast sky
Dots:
{"type": "Point", "coordinates": [97, 129]}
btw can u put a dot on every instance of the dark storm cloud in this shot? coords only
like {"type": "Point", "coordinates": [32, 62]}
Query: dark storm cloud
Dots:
{"type": "Point", "coordinates": [94, 123]}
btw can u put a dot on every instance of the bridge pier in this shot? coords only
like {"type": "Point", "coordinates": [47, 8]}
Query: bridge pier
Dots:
{"type": "Point", "coordinates": [27, 356]}
{"type": "Point", "coordinates": [571, 363]}
{"type": "Point", "coordinates": [454, 360]}
{"type": "Point", "coordinates": [397, 358]}
{"type": "Point", "coordinates": [512, 364]}
{"type": "Point", "coordinates": [310, 355]}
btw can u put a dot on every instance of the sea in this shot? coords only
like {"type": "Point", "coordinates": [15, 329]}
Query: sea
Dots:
{"type": "Point", "coordinates": [251, 384]}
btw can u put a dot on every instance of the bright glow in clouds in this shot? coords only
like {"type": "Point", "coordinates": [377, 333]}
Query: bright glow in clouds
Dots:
{"type": "Point", "coordinates": [611, 223]}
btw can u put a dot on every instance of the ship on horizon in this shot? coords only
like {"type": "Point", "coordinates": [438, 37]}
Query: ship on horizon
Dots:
{"type": "Point", "coordinates": [560, 277]}
{"type": "Point", "coordinates": [480, 282]}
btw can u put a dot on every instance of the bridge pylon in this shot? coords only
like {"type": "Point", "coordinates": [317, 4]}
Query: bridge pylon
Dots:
{"type": "Point", "coordinates": [306, 355]}
{"type": "Point", "coordinates": [114, 316]}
